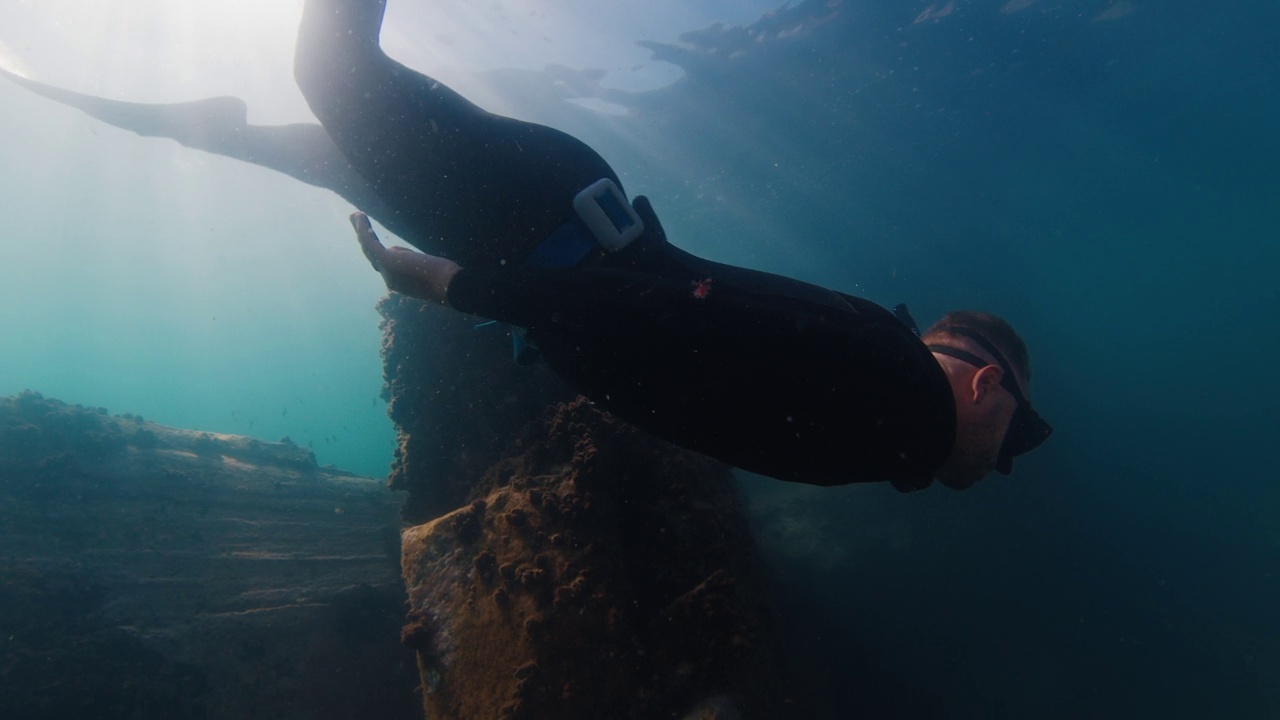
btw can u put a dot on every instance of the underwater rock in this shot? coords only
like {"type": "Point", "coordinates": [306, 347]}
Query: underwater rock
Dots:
{"type": "Point", "coordinates": [598, 573]}
{"type": "Point", "coordinates": [456, 398]}
{"type": "Point", "coordinates": [567, 565]}
{"type": "Point", "coordinates": [147, 571]}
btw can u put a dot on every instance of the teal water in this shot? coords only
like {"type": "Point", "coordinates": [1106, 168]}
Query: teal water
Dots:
{"type": "Point", "coordinates": [1103, 174]}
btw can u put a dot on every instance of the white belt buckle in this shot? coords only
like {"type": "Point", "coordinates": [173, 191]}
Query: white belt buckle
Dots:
{"type": "Point", "coordinates": [608, 215]}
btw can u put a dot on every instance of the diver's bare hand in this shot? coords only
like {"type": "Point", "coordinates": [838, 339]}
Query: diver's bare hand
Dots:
{"type": "Point", "coordinates": [413, 273]}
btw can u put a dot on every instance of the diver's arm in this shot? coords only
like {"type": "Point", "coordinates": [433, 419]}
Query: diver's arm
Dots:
{"type": "Point", "coordinates": [419, 275]}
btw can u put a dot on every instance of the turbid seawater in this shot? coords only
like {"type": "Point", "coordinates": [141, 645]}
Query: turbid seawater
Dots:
{"type": "Point", "coordinates": [1102, 174]}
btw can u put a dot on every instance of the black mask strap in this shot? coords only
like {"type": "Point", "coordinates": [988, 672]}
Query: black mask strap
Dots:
{"type": "Point", "coordinates": [957, 353]}
{"type": "Point", "coordinates": [1008, 380]}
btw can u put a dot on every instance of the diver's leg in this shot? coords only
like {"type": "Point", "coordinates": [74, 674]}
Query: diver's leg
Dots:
{"type": "Point", "coordinates": [358, 93]}
{"type": "Point", "coordinates": [473, 186]}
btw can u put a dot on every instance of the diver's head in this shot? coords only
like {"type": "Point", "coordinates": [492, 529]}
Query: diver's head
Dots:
{"type": "Point", "coordinates": [990, 372]}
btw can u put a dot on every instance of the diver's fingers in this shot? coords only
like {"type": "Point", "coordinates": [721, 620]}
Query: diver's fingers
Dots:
{"type": "Point", "coordinates": [370, 245]}
{"type": "Point", "coordinates": [397, 263]}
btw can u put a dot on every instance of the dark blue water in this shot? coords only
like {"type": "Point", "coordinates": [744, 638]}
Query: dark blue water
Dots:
{"type": "Point", "coordinates": [1105, 177]}
{"type": "Point", "coordinates": [1102, 174]}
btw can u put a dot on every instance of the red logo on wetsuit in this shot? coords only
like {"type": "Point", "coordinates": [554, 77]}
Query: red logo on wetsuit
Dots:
{"type": "Point", "coordinates": [701, 289]}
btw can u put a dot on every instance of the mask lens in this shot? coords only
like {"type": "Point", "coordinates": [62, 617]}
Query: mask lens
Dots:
{"type": "Point", "coordinates": [1027, 431]}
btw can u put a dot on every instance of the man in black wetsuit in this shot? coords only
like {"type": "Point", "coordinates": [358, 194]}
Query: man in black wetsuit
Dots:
{"type": "Point", "coordinates": [766, 373]}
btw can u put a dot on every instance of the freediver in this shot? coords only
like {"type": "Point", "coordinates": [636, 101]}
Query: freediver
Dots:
{"type": "Point", "coordinates": [769, 374]}
{"type": "Point", "coordinates": [766, 373]}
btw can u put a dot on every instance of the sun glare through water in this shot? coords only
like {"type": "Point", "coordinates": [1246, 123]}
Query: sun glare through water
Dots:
{"type": "Point", "coordinates": [224, 296]}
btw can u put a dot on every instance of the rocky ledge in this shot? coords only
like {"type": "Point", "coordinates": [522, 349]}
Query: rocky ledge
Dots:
{"type": "Point", "coordinates": [147, 571]}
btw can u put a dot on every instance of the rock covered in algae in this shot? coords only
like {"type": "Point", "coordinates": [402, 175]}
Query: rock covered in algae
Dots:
{"type": "Point", "coordinates": [456, 398]}
{"type": "Point", "coordinates": [599, 573]}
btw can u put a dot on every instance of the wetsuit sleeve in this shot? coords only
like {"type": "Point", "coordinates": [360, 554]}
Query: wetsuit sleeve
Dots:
{"type": "Point", "coordinates": [516, 297]}
{"type": "Point", "coordinates": [540, 298]}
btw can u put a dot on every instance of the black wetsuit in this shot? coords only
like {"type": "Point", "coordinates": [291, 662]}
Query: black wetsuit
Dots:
{"type": "Point", "coordinates": [765, 373]}
{"type": "Point", "coordinates": [479, 188]}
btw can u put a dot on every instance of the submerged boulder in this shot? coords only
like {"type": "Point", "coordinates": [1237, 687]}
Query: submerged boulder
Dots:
{"type": "Point", "coordinates": [603, 573]}
{"type": "Point", "coordinates": [456, 398]}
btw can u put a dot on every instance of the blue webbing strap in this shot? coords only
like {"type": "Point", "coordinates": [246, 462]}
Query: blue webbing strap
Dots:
{"type": "Point", "coordinates": [569, 245]}
{"type": "Point", "coordinates": [602, 218]}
